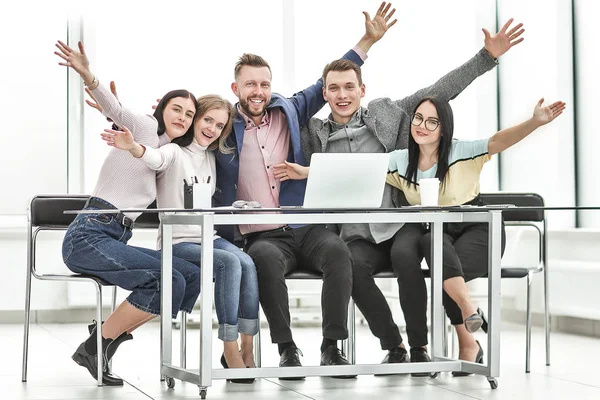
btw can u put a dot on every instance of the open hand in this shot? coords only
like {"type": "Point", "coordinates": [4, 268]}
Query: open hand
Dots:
{"type": "Point", "coordinates": [120, 139]}
{"type": "Point", "coordinates": [544, 115]}
{"type": "Point", "coordinates": [377, 27]}
{"type": "Point", "coordinates": [288, 170]}
{"type": "Point", "coordinates": [502, 41]}
{"type": "Point", "coordinates": [75, 59]}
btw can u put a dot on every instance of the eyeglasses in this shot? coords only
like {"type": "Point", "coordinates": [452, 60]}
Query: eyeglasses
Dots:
{"type": "Point", "coordinates": [430, 123]}
{"type": "Point", "coordinates": [246, 204]}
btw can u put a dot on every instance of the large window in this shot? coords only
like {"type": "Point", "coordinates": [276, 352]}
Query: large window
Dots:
{"type": "Point", "coordinates": [150, 48]}
{"type": "Point", "coordinates": [33, 105]}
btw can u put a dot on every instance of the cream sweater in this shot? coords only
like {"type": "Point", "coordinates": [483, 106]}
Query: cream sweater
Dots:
{"type": "Point", "coordinates": [174, 163]}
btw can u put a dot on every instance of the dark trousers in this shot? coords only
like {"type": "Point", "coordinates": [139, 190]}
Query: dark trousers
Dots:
{"type": "Point", "coordinates": [369, 259]}
{"type": "Point", "coordinates": [313, 248]}
{"type": "Point", "coordinates": [465, 253]}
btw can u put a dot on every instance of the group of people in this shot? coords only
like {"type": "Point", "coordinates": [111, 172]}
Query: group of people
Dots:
{"type": "Point", "coordinates": [259, 150]}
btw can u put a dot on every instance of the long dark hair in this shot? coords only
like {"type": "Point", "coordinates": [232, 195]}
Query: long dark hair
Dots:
{"type": "Point", "coordinates": [160, 108]}
{"type": "Point", "coordinates": [446, 118]}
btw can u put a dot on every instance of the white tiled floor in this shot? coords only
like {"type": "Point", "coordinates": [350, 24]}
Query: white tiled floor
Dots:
{"type": "Point", "coordinates": [53, 375]}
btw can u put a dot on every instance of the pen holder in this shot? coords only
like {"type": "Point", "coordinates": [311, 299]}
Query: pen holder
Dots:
{"type": "Point", "coordinates": [197, 195]}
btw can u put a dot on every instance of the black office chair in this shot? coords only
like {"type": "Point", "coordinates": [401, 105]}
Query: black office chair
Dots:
{"type": "Point", "coordinates": [535, 219]}
{"type": "Point", "coordinates": [46, 213]}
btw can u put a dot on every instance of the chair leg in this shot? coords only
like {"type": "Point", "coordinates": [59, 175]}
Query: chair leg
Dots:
{"type": "Point", "coordinates": [99, 331]}
{"type": "Point", "coordinates": [183, 340]}
{"type": "Point", "coordinates": [113, 307]}
{"type": "Point", "coordinates": [547, 324]}
{"type": "Point", "coordinates": [26, 325]}
{"type": "Point", "coordinates": [257, 351]}
{"type": "Point", "coordinates": [114, 300]}
{"type": "Point", "coordinates": [349, 345]}
{"type": "Point", "coordinates": [528, 326]}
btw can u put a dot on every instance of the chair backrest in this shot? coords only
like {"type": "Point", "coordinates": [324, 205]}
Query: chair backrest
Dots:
{"type": "Point", "coordinates": [148, 220]}
{"type": "Point", "coordinates": [519, 200]}
{"type": "Point", "coordinates": [48, 210]}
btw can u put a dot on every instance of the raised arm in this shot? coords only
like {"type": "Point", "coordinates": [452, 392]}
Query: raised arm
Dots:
{"type": "Point", "coordinates": [310, 100]}
{"type": "Point", "coordinates": [457, 80]}
{"type": "Point", "coordinates": [143, 127]}
{"type": "Point", "coordinates": [157, 159]}
{"type": "Point", "coordinates": [510, 136]}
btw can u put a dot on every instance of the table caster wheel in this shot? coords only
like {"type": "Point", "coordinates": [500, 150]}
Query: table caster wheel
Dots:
{"type": "Point", "coordinates": [203, 393]}
{"type": "Point", "coordinates": [493, 382]}
{"type": "Point", "coordinates": [434, 375]}
{"type": "Point", "coordinates": [170, 382]}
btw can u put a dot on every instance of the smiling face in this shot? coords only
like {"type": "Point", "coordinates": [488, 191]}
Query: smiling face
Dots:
{"type": "Point", "coordinates": [425, 125]}
{"type": "Point", "coordinates": [178, 116]}
{"type": "Point", "coordinates": [253, 88]}
{"type": "Point", "coordinates": [209, 126]}
{"type": "Point", "coordinates": [343, 93]}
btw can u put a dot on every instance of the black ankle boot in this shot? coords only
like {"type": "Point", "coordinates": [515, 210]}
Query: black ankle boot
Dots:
{"type": "Point", "coordinates": [112, 348]}
{"type": "Point", "coordinates": [86, 355]}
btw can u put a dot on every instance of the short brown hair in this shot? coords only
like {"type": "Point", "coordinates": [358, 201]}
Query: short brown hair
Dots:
{"type": "Point", "coordinates": [251, 60]}
{"type": "Point", "coordinates": [211, 102]}
{"type": "Point", "coordinates": [340, 66]}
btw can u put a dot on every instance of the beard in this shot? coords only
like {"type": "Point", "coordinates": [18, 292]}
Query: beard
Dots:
{"type": "Point", "coordinates": [246, 108]}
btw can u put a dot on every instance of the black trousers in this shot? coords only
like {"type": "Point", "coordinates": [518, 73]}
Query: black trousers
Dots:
{"type": "Point", "coordinates": [465, 254]}
{"type": "Point", "coordinates": [314, 248]}
{"type": "Point", "coordinates": [369, 259]}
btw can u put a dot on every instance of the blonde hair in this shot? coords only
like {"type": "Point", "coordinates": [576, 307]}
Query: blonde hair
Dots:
{"type": "Point", "coordinates": [212, 102]}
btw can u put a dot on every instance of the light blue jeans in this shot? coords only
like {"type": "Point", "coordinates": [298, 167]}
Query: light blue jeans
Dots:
{"type": "Point", "coordinates": [236, 286]}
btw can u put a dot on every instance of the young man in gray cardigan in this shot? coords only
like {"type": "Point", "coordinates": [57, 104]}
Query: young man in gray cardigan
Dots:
{"type": "Point", "coordinates": [383, 126]}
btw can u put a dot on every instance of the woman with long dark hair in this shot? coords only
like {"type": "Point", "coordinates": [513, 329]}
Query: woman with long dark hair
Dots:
{"type": "Point", "coordinates": [96, 243]}
{"type": "Point", "coordinates": [433, 153]}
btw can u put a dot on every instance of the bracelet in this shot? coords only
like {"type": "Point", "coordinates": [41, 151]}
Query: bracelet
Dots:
{"type": "Point", "coordinates": [94, 83]}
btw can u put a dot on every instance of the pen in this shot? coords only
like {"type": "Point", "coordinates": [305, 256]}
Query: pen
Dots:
{"type": "Point", "coordinates": [185, 182]}
{"type": "Point", "coordinates": [208, 180]}
{"type": "Point", "coordinates": [196, 179]}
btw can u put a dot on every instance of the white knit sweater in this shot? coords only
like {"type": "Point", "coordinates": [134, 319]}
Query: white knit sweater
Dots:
{"type": "Point", "coordinates": [175, 163]}
{"type": "Point", "coordinates": [125, 181]}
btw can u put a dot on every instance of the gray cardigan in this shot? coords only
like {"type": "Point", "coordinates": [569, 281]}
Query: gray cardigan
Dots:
{"type": "Point", "coordinates": [389, 120]}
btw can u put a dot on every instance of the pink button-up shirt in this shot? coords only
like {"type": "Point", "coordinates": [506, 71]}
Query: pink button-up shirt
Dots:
{"type": "Point", "coordinates": [264, 145]}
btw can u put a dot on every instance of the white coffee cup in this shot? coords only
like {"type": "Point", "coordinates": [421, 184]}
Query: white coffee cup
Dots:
{"type": "Point", "coordinates": [429, 188]}
{"type": "Point", "coordinates": [202, 193]}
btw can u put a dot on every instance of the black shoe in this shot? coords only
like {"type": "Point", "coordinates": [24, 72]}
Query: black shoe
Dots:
{"type": "Point", "coordinates": [237, 380]}
{"type": "Point", "coordinates": [476, 321]}
{"type": "Point", "coordinates": [419, 354]}
{"type": "Point", "coordinates": [333, 356]}
{"type": "Point", "coordinates": [90, 361]}
{"type": "Point", "coordinates": [290, 357]}
{"type": "Point", "coordinates": [394, 356]}
{"type": "Point", "coordinates": [113, 346]}
{"type": "Point", "coordinates": [478, 360]}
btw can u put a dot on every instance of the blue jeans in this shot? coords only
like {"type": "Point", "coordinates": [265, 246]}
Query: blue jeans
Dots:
{"type": "Point", "coordinates": [96, 244]}
{"type": "Point", "coordinates": [236, 286]}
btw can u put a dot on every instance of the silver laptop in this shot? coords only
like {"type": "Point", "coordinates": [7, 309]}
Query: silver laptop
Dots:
{"type": "Point", "coordinates": [346, 180]}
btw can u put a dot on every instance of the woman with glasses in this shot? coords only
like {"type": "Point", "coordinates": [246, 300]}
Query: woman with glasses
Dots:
{"type": "Point", "coordinates": [432, 153]}
{"type": "Point", "coordinates": [192, 160]}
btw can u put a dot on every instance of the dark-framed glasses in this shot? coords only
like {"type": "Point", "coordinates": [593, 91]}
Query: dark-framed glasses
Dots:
{"type": "Point", "coordinates": [431, 124]}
